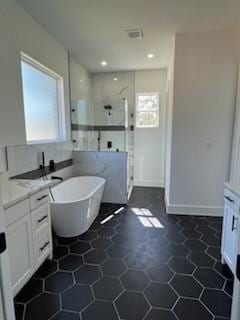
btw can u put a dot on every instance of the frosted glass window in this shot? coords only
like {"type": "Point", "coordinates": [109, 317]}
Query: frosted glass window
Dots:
{"type": "Point", "coordinates": [41, 103]}
{"type": "Point", "coordinates": [147, 110]}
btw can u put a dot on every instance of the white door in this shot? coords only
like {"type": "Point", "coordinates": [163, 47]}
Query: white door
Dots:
{"type": "Point", "coordinates": [229, 245]}
{"type": "Point", "coordinates": [20, 249]}
{"type": "Point", "coordinates": [1, 306]}
{"type": "Point", "coordinates": [235, 159]}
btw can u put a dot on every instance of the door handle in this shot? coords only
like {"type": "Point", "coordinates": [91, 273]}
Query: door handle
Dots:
{"type": "Point", "coordinates": [3, 244]}
{"type": "Point", "coordinates": [44, 246]}
{"type": "Point", "coordinates": [42, 219]}
{"type": "Point", "coordinates": [234, 227]}
{"type": "Point", "coordinates": [41, 198]}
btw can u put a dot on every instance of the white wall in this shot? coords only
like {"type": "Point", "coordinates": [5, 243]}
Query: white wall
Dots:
{"type": "Point", "coordinates": [19, 32]}
{"type": "Point", "coordinates": [203, 108]}
{"type": "Point", "coordinates": [150, 142]}
{"type": "Point", "coordinates": [169, 115]}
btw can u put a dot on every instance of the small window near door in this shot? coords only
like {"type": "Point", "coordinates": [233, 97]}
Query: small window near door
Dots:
{"type": "Point", "coordinates": [43, 102]}
{"type": "Point", "coordinates": [147, 110]}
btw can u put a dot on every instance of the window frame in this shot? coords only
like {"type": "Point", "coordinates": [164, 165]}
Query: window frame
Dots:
{"type": "Point", "coordinates": [60, 99]}
{"type": "Point", "coordinates": [157, 110]}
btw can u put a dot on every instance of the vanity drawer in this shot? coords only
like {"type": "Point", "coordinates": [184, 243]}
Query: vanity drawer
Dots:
{"type": "Point", "coordinates": [40, 220]}
{"type": "Point", "coordinates": [38, 199]}
{"type": "Point", "coordinates": [43, 247]}
{"type": "Point", "coordinates": [16, 212]}
{"type": "Point", "coordinates": [232, 199]}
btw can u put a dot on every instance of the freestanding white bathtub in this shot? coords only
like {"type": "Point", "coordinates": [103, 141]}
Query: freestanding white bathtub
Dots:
{"type": "Point", "coordinates": [76, 204]}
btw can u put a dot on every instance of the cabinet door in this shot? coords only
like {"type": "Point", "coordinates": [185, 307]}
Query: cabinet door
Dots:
{"type": "Point", "coordinates": [229, 245]}
{"type": "Point", "coordinates": [20, 249]}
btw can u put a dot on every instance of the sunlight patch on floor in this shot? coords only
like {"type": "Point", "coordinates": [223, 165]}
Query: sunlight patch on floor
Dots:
{"type": "Point", "coordinates": [146, 218]}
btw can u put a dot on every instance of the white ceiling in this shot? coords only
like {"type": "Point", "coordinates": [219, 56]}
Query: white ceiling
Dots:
{"type": "Point", "coordinates": [95, 30]}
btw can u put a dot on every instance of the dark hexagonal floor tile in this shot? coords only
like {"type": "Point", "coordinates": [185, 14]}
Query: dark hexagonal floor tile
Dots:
{"type": "Point", "coordinates": [181, 265]}
{"type": "Point", "coordinates": [66, 241]}
{"type": "Point", "coordinates": [203, 221]}
{"type": "Point", "coordinates": [201, 259]}
{"type": "Point", "coordinates": [191, 234]}
{"type": "Point", "coordinates": [80, 247]}
{"type": "Point", "coordinates": [161, 273]}
{"type": "Point", "coordinates": [76, 298]}
{"type": "Point", "coordinates": [87, 274]}
{"type": "Point", "coordinates": [88, 236]}
{"type": "Point", "coordinates": [95, 226]}
{"type": "Point", "coordinates": [43, 307]}
{"type": "Point", "coordinates": [157, 314]}
{"type": "Point", "coordinates": [59, 252]}
{"type": "Point", "coordinates": [146, 258]}
{"type": "Point", "coordinates": [197, 245]}
{"type": "Point", "coordinates": [95, 256]}
{"type": "Point", "coordinates": [107, 288]}
{"type": "Point", "coordinates": [228, 288]}
{"type": "Point", "coordinates": [223, 270]}
{"type": "Point", "coordinates": [106, 232]}
{"type": "Point", "coordinates": [58, 282]}
{"type": "Point", "coordinates": [64, 315]}
{"type": "Point", "coordinates": [101, 243]}
{"type": "Point", "coordinates": [161, 295]}
{"type": "Point", "coordinates": [118, 251]}
{"type": "Point", "coordinates": [19, 311]}
{"type": "Point", "coordinates": [217, 301]}
{"type": "Point", "coordinates": [47, 268]}
{"type": "Point", "coordinates": [71, 262]}
{"type": "Point", "coordinates": [209, 278]}
{"type": "Point", "coordinates": [33, 288]}
{"type": "Point", "coordinates": [175, 237]}
{"type": "Point", "coordinates": [186, 286]}
{"type": "Point", "coordinates": [178, 250]}
{"type": "Point", "coordinates": [134, 280]}
{"type": "Point", "coordinates": [211, 239]}
{"type": "Point", "coordinates": [100, 310]}
{"type": "Point", "coordinates": [132, 305]}
{"type": "Point", "coordinates": [187, 309]}
{"type": "Point", "coordinates": [214, 252]}
{"type": "Point", "coordinates": [113, 267]}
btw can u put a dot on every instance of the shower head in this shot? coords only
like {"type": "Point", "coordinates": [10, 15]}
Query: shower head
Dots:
{"type": "Point", "coordinates": [108, 107]}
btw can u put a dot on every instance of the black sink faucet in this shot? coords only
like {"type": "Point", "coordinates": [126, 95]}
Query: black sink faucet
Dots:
{"type": "Point", "coordinates": [56, 178]}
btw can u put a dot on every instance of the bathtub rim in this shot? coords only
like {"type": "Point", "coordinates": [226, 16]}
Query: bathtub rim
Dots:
{"type": "Point", "coordinates": [81, 199]}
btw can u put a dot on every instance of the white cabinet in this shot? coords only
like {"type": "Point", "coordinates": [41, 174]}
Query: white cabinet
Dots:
{"type": "Point", "coordinates": [20, 249]}
{"type": "Point", "coordinates": [29, 237]}
{"type": "Point", "coordinates": [230, 229]}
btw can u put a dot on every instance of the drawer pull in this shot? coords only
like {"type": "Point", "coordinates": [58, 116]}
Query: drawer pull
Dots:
{"type": "Point", "coordinates": [44, 246]}
{"type": "Point", "coordinates": [229, 199]}
{"type": "Point", "coordinates": [43, 218]}
{"type": "Point", "coordinates": [43, 197]}
{"type": "Point", "coordinates": [234, 227]}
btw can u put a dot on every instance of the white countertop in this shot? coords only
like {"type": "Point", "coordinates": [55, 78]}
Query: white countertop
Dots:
{"type": "Point", "coordinates": [234, 187]}
{"type": "Point", "coordinates": [14, 191]}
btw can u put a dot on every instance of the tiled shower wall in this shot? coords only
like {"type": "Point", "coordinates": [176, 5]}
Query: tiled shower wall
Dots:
{"type": "Point", "coordinates": [89, 94]}
{"type": "Point", "coordinates": [109, 165]}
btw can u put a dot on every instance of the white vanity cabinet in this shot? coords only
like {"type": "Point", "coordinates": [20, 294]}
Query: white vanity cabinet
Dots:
{"type": "Point", "coordinates": [20, 250]}
{"type": "Point", "coordinates": [231, 227]}
{"type": "Point", "coordinates": [29, 238]}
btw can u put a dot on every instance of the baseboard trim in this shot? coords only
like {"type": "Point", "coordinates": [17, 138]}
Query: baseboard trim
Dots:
{"type": "Point", "coordinates": [149, 183]}
{"type": "Point", "coordinates": [177, 209]}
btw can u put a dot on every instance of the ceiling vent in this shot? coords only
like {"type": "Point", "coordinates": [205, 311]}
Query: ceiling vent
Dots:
{"type": "Point", "coordinates": [135, 33]}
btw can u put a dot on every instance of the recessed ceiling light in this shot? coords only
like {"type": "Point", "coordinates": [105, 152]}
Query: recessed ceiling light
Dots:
{"type": "Point", "coordinates": [115, 79]}
{"type": "Point", "coordinates": [104, 63]}
{"type": "Point", "coordinates": [150, 56]}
